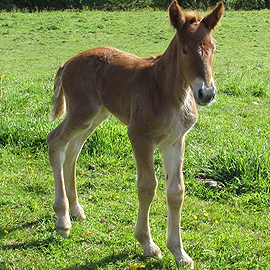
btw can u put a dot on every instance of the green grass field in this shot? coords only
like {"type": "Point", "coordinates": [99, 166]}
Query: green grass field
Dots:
{"type": "Point", "coordinates": [225, 228]}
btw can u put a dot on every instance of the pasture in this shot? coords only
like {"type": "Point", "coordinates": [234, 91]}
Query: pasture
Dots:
{"type": "Point", "coordinates": [223, 228]}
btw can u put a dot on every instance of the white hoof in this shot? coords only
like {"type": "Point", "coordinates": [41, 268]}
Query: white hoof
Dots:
{"type": "Point", "coordinates": [63, 232]}
{"type": "Point", "coordinates": [63, 225]}
{"type": "Point", "coordinates": [77, 212]}
{"type": "Point", "coordinates": [185, 260]}
{"type": "Point", "coordinates": [152, 250]}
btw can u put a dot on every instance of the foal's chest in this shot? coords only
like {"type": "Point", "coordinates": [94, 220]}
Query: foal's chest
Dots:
{"type": "Point", "coordinates": [182, 120]}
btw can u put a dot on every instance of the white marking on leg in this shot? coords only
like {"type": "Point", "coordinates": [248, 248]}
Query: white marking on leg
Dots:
{"type": "Point", "coordinates": [173, 154]}
{"type": "Point", "coordinates": [73, 151]}
{"type": "Point", "coordinates": [61, 207]}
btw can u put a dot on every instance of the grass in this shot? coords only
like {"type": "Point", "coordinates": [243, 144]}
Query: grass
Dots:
{"type": "Point", "coordinates": [225, 228]}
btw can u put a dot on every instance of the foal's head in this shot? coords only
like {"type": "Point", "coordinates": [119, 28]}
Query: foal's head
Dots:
{"type": "Point", "coordinates": [196, 49]}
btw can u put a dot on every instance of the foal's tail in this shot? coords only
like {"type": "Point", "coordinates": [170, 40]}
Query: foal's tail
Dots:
{"type": "Point", "coordinates": [58, 101]}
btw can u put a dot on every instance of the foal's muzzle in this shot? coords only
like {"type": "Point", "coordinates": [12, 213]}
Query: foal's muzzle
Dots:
{"type": "Point", "coordinates": [204, 93]}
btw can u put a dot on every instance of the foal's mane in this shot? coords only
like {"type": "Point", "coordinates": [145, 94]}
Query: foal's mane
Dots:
{"type": "Point", "coordinates": [192, 17]}
{"type": "Point", "coordinates": [153, 58]}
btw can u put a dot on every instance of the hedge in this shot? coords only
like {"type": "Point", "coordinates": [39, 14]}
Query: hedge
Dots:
{"type": "Point", "coordinates": [34, 5]}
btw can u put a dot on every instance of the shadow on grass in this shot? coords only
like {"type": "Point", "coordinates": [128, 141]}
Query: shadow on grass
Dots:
{"type": "Point", "coordinates": [109, 260]}
{"type": "Point", "coordinates": [35, 244]}
{"type": "Point", "coordinates": [5, 230]}
{"type": "Point", "coordinates": [146, 263]}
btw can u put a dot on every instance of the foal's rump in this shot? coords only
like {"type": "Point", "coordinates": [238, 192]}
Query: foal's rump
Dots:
{"type": "Point", "coordinates": [76, 87]}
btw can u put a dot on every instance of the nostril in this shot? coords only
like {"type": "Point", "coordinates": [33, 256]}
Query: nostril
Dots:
{"type": "Point", "coordinates": [200, 94]}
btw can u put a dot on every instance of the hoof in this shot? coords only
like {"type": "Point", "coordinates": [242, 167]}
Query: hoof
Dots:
{"type": "Point", "coordinates": [152, 251]}
{"type": "Point", "coordinates": [77, 213]}
{"type": "Point", "coordinates": [185, 260]}
{"type": "Point", "coordinates": [79, 216]}
{"type": "Point", "coordinates": [63, 225]}
{"type": "Point", "coordinates": [63, 232]}
{"type": "Point", "coordinates": [186, 264]}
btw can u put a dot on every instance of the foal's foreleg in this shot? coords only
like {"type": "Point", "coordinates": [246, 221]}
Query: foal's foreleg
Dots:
{"type": "Point", "coordinates": [173, 155]}
{"type": "Point", "coordinates": [146, 185]}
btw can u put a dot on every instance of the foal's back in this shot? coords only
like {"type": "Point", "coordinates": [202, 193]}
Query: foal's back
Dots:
{"type": "Point", "coordinates": [113, 79]}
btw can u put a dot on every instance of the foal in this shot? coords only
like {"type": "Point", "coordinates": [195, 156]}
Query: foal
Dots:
{"type": "Point", "coordinates": [155, 98]}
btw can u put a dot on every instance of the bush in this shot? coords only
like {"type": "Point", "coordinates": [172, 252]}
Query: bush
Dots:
{"type": "Point", "coordinates": [6, 4]}
{"type": "Point", "coordinates": [246, 4]}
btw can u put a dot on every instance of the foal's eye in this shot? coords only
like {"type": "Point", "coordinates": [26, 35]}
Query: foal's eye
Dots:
{"type": "Point", "coordinates": [184, 51]}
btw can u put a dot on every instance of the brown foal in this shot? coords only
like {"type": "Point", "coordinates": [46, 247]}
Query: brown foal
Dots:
{"type": "Point", "coordinates": [155, 97]}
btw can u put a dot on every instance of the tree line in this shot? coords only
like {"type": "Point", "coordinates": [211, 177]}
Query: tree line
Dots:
{"type": "Point", "coordinates": [111, 5]}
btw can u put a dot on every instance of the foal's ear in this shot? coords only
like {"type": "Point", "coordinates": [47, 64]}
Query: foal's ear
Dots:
{"type": "Point", "coordinates": [213, 19]}
{"type": "Point", "coordinates": [177, 16]}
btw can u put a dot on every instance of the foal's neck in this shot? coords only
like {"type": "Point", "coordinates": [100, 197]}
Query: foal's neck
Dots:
{"type": "Point", "coordinates": [169, 74]}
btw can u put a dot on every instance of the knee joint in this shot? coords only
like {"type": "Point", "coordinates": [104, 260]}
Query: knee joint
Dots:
{"type": "Point", "coordinates": [147, 189]}
{"type": "Point", "coordinates": [146, 192]}
{"type": "Point", "coordinates": [175, 195]}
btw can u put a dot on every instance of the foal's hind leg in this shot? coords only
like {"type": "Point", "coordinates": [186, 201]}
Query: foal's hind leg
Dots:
{"type": "Point", "coordinates": [72, 153]}
{"type": "Point", "coordinates": [58, 141]}
{"type": "Point", "coordinates": [143, 149]}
